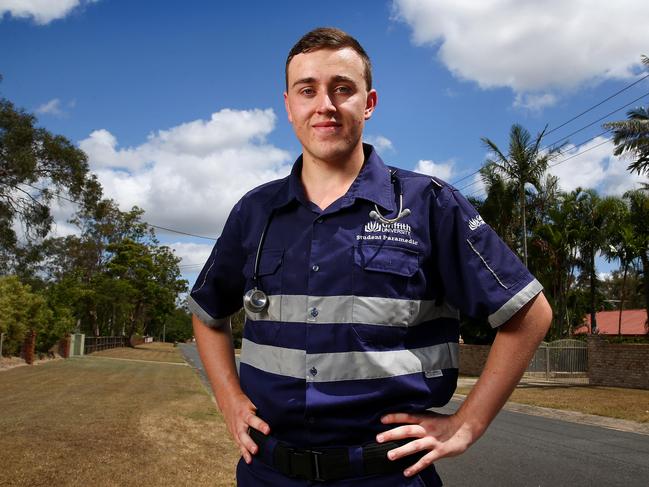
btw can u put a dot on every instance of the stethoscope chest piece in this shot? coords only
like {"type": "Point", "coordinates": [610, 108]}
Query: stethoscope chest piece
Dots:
{"type": "Point", "coordinates": [255, 300]}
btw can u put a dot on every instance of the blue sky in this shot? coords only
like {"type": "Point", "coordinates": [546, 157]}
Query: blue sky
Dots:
{"type": "Point", "coordinates": [179, 104]}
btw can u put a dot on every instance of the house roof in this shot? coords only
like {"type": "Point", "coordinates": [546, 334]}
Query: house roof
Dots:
{"type": "Point", "coordinates": [633, 322]}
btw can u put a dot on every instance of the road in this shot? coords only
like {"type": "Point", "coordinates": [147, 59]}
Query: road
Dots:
{"type": "Point", "coordinates": [521, 450]}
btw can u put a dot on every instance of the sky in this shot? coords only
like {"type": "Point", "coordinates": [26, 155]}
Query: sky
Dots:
{"type": "Point", "coordinates": [179, 105]}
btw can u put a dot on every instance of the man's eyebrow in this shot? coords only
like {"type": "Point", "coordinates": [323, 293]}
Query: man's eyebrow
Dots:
{"type": "Point", "coordinates": [303, 81]}
{"type": "Point", "coordinates": [338, 78]}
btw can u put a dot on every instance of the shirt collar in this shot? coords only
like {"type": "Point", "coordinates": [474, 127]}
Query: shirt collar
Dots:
{"type": "Point", "coordinates": [373, 183]}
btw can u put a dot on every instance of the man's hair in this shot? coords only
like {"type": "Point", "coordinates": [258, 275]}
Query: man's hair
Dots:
{"type": "Point", "coordinates": [330, 38]}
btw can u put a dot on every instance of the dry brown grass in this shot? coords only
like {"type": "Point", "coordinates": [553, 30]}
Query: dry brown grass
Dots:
{"type": "Point", "coordinates": [154, 352]}
{"type": "Point", "coordinates": [613, 402]}
{"type": "Point", "coordinates": [92, 421]}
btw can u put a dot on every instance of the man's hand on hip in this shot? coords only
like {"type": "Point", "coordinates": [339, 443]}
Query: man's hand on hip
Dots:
{"type": "Point", "coordinates": [440, 435]}
{"type": "Point", "coordinates": [240, 413]}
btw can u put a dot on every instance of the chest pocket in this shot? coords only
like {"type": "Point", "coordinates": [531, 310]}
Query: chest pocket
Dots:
{"type": "Point", "coordinates": [382, 271]}
{"type": "Point", "coordinates": [270, 271]}
{"type": "Point", "coordinates": [390, 260]}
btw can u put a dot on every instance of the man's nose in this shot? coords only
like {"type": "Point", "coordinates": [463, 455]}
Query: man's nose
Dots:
{"type": "Point", "coordinates": [325, 103]}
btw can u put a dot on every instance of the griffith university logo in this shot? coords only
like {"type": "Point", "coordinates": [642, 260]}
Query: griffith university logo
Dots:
{"type": "Point", "coordinates": [374, 226]}
{"type": "Point", "coordinates": [476, 222]}
{"type": "Point", "coordinates": [395, 232]}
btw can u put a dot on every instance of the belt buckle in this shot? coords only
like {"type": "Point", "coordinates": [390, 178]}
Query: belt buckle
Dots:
{"type": "Point", "coordinates": [314, 473]}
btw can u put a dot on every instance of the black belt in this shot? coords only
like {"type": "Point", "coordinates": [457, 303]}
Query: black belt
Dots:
{"type": "Point", "coordinates": [328, 464]}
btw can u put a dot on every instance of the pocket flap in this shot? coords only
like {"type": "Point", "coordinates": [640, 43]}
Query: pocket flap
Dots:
{"type": "Point", "coordinates": [383, 258]}
{"type": "Point", "coordinates": [269, 261]}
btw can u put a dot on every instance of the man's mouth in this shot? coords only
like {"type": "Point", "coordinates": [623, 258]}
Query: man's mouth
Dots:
{"type": "Point", "coordinates": [326, 126]}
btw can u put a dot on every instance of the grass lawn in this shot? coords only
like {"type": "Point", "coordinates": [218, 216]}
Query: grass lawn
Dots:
{"type": "Point", "coordinates": [631, 404]}
{"type": "Point", "coordinates": [93, 421]}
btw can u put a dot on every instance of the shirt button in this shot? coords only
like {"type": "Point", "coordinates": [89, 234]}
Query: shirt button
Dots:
{"type": "Point", "coordinates": [320, 220]}
{"type": "Point", "coordinates": [315, 267]}
{"type": "Point", "coordinates": [313, 371]}
{"type": "Point", "coordinates": [310, 420]}
{"type": "Point", "coordinates": [314, 312]}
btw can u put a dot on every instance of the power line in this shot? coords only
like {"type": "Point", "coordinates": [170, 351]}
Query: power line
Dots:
{"type": "Point", "coordinates": [180, 232]}
{"type": "Point", "coordinates": [576, 145]}
{"type": "Point", "coordinates": [559, 162]}
{"type": "Point", "coordinates": [598, 120]}
{"type": "Point", "coordinates": [578, 116]}
{"type": "Point", "coordinates": [42, 190]}
{"type": "Point", "coordinates": [598, 104]}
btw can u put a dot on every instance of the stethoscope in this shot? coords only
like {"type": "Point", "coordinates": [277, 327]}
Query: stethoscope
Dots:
{"type": "Point", "coordinates": [256, 300]}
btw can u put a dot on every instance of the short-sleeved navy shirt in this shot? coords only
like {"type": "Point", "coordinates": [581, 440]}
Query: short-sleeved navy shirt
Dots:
{"type": "Point", "coordinates": [363, 317]}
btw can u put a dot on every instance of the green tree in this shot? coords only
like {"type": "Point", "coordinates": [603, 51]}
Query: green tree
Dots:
{"type": "Point", "coordinates": [35, 167]}
{"type": "Point", "coordinates": [21, 310]}
{"type": "Point", "coordinates": [631, 136]}
{"type": "Point", "coordinates": [499, 206]}
{"type": "Point", "coordinates": [153, 281]}
{"type": "Point", "coordinates": [178, 326]}
{"type": "Point", "coordinates": [639, 219]}
{"type": "Point", "coordinates": [555, 257]}
{"type": "Point", "coordinates": [524, 163]}
{"type": "Point", "coordinates": [598, 218]}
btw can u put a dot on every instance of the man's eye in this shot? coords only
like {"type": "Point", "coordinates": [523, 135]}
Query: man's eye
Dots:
{"type": "Point", "coordinates": [343, 90]}
{"type": "Point", "coordinates": [308, 91]}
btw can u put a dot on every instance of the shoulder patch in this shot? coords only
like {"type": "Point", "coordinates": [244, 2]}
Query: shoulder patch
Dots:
{"type": "Point", "coordinates": [476, 222]}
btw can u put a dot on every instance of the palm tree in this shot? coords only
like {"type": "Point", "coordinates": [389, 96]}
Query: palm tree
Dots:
{"type": "Point", "coordinates": [499, 207]}
{"type": "Point", "coordinates": [631, 136]}
{"type": "Point", "coordinates": [524, 163]}
{"type": "Point", "coordinates": [639, 219]}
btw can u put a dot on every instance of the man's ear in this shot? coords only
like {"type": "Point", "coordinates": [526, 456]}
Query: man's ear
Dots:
{"type": "Point", "coordinates": [288, 108]}
{"type": "Point", "coordinates": [370, 103]}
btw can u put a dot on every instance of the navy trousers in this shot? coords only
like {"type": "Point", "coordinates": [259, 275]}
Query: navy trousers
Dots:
{"type": "Point", "coordinates": [259, 474]}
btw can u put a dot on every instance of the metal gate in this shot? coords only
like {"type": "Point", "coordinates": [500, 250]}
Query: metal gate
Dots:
{"type": "Point", "coordinates": [561, 361]}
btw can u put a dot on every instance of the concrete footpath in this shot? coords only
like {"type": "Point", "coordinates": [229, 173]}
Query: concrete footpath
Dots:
{"type": "Point", "coordinates": [562, 415]}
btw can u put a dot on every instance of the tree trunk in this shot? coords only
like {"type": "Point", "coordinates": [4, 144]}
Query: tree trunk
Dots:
{"type": "Point", "coordinates": [644, 256]}
{"type": "Point", "coordinates": [593, 284]}
{"type": "Point", "coordinates": [622, 296]}
{"type": "Point", "coordinates": [522, 197]}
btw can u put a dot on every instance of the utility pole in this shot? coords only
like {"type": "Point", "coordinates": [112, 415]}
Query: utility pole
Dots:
{"type": "Point", "coordinates": [164, 331]}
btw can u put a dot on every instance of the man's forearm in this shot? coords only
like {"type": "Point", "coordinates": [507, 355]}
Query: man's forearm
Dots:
{"type": "Point", "coordinates": [510, 354]}
{"type": "Point", "coordinates": [217, 354]}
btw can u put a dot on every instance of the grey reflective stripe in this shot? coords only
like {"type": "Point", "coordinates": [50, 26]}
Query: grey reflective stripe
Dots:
{"type": "Point", "coordinates": [352, 310]}
{"type": "Point", "coordinates": [276, 360]}
{"type": "Point", "coordinates": [485, 263]}
{"type": "Point", "coordinates": [520, 299]}
{"type": "Point", "coordinates": [332, 367]}
{"type": "Point", "coordinates": [195, 308]}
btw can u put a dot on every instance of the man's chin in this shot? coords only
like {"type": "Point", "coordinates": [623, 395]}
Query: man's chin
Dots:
{"type": "Point", "coordinates": [338, 151]}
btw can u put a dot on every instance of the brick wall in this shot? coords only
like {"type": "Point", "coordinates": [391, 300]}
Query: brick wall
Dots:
{"type": "Point", "coordinates": [473, 358]}
{"type": "Point", "coordinates": [618, 364]}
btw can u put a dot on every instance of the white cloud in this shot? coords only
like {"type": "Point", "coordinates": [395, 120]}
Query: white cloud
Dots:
{"type": "Point", "coordinates": [592, 165]}
{"type": "Point", "coordinates": [536, 48]}
{"type": "Point", "coordinates": [534, 102]}
{"type": "Point", "coordinates": [52, 107]}
{"type": "Point", "coordinates": [193, 255]}
{"type": "Point", "coordinates": [380, 143]}
{"type": "Point", "coordinates": [442, 171]}
{"type": "Point", "coordinates": [42, 11]}
{"type": "Point", "coordinates": [188, 177]}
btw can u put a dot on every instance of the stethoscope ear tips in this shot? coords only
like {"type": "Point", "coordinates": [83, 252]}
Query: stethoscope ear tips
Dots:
{"type": "Point", "coordinates": [255, 300]}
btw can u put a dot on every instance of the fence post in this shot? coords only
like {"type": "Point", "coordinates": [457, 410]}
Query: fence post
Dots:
{"type": "Point", "coordinates": [2, 338]}
{"type": "Point", "coordinates": [547, 363]}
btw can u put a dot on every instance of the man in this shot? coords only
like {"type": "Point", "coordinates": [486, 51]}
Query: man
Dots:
{"type": "Point", "coordinates": [354, 274]}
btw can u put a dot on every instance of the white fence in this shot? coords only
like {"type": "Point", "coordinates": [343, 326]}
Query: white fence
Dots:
{"type": "Point", "coordinates": [561, 360]}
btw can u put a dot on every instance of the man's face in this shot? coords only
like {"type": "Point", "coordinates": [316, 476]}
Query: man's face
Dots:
{"type": "Point", "coordinates": [327, 102]}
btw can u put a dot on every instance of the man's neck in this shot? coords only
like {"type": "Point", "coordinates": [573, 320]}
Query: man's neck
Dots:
{"type": "Point", "coordinates": [326, 181]}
